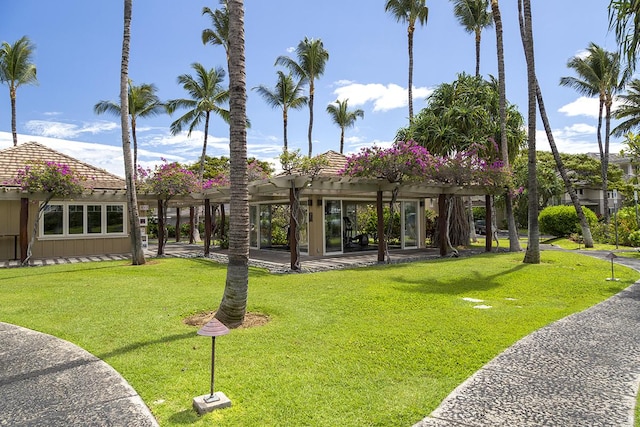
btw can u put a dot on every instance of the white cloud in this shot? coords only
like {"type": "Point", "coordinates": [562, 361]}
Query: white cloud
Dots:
{"type": "Point", "coordinates": [67, 130]}
{"type": "Point", "coordinates": [384, 98]}
{"type": "Point", "coordinates": [585, 106]}
{"type": "Point", "coordinates": [575, 139]}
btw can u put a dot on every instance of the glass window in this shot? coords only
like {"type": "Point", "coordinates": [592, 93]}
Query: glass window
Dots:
{"type": "Point", "coordinates": [115, 218]}
{"type": "Point", "coordinates": [52, 220]}
{"type": "Point", "coordinates": [76, 219]}
{"type": "Point", "coordinates": [94, 219]}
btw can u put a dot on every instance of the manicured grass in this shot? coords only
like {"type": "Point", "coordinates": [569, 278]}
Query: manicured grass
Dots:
{"type": "Point", "coordinates": [378, 346]}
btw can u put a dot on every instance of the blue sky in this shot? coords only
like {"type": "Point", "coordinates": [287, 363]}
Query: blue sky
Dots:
{"type": "Point", "coordinates": [78, 50]}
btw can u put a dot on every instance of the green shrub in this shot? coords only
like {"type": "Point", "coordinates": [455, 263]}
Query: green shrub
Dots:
{"type": "Point", "coordinates": [561, 221]}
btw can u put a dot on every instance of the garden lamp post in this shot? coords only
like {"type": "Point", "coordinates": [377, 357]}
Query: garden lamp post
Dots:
{"type": "Point", "coordinates": [612, 256]}
{"type": "Point", "coordinates": [213, 400]}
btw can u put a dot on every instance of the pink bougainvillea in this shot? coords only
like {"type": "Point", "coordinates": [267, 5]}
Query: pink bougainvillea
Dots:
{"type": "Point", "coordinates": [168, 180]}
{"type": "Point", "coordinates": [55, 179]}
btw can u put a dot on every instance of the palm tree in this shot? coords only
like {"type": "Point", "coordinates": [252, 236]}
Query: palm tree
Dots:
{"type": "Point", "coordinates": [17, 69]}
{"type": "Point", "coordinates": [287, 94]}
{"type": "Point", "coordinates": [143, 102]}
{"type": "Point", "coordinates": [624, 18]}
{"type": "Point", "coordinates": [234, 300]}
{"type": "Point", "coordinates": [207, 96]}
{"type": "Point", "coordinates": [532, 255]}
{"type": "Point", "coordinates": [312, 60]}
{"type": "Point", "coordinates": [514, 241]}
{"type": "Point", "coordinates": [219, 34]}
{"type": "Point", "coordinates": [409, 12]}
{"type": "Point", "coordinates": [341, 116]}
{"type": "Point", "coordinates": [137, 255]}
{"type": "Point", "coordinates": [598, 75]}
{"type": "Point", "coordinates": [474, 16]}
{"type": "Point", "coordinates": [629, 109]}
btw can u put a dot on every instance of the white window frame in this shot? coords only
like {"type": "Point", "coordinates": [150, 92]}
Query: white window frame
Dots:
{"type": "Point", "coordinates": [85, 234]}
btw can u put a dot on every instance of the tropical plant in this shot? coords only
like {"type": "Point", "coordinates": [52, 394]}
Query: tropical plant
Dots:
{"type": "Point", "coordinates": [628, 110]}
{"type": "Point", "coordinates": [598, 74]}
{"type": "Point", "coordinates": [474, 16]}
{"type": "Point", "coordinates": [53, 180]}
{"type": "Point", "coordinates": [233, 306]}
{"type": "Point", "coordinates": [312, 61]}
{"type": "Point", "coordinates": [532, 254]}
{"type": "Point", "coordinates": [562, 221]}
{"type": "Point", "coordinates": [167, 181]}
{"type": "Point", "coordinates": [343, 117]}
{"type": "Point", "coordinates": [143, 102]}
{"type": "Point", "coordinates": [17, 69]}
{"type": "Point", "coordinates": [624, 18]}
{"type": "Point", "coordinates": [219, 34]}
{"type": "Point", "coordinates": [137, 254]}
{"type": "Point", "coordinates": [409, 12]}
{"type": "Point", "coordinates": [287, 94]}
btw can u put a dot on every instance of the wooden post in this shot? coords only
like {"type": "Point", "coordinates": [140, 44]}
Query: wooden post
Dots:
{"type": "Point", "coordinates": [192, 225]}
{"type": "Point", "coordinates": [381, 238]}
{"type": "Point", "coordinates": [160, 228]}
{"type": "Point", "coordinates": [291, 235]}
{"type": "Point", "coordinates": [488, 221]}
{"type": "Point", "coordinates": [24, 225]}
{"type": "Point", "coordinates": [207, 226]}
{"type": "Point", "coordinates": [177, 225]}
{"type": "Point", "coordinates": [442, 223]}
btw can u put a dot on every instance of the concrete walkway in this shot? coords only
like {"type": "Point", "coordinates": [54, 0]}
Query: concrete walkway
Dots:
{"type": "Point", "coordinates": [46, 381]}
{"type": "Point", "coordinates": [583, 370]}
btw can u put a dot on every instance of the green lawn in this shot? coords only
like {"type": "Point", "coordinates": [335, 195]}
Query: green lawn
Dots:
{"type": "Point", "coordinates": [378, 346]}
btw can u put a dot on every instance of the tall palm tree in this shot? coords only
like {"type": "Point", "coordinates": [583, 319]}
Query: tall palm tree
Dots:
{"type": "Point", "coordinates": [219, 34]}
{"type": "Point", "coordinates": [17, 69]}
{"type": "Point", "coordinates": [137, 254]}
{"type": "Point", "coordinates": [287, 94]}
{"type": "Point", "coordinates": [343, 117]}
{"type": "Point", "coordinates": [624, 18]}
{"type": "Point", "coordinates": [532, 254]}
{"type": "Point", "coordinates": [312, 60]}
{"type": "Point", "coordinates": [142, 102]}
{"type": "Point", "coordinates": [474, 16]}
{"type": "Point", "coordinates": [207, 95]}
{"type": "Point", "coordinates": [598, 74]}
{"type": "Point", "coordinates": [629, 109]}
{"type": "Point", "coordinates": [409, 12]}
{"type": "Point", "coordinates": [234, 300]}
{"type": "Point", "coordinates": [514, 241]}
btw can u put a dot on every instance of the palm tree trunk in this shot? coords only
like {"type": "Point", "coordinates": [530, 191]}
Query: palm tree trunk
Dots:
{"type": "Point", "coordinates": [135, 146]}
{"type": "Point", "coordinates": [478, 52]}
{"type": "Point", "coordinates": [233, 306]}
{"type": "Point", "coordinates": [532, 255]}
{"type": "Point", "coordinates": [605, 167]}
{"type": "Point", "coordinates": [284, 125]}
{"type": "Point", "coordinates": [137, 254]}
{"type": "Point", "coordinates": [311, 96]}
{"type": "Point", "coordinates": [584, 225]}
{"type": "Point", "coordinates": [341, 140]}
{"type": "Point", "coordinates": [410, 84]}
{"type": "Point", "coordinates": [514, 241]}
{"type": "Point", "coordinates": [14, 131]}
{"type": "Point", "coordinates": [604, 160]}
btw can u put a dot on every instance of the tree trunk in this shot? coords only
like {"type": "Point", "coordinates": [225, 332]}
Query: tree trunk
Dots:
{"type": "Point", "coordinates": [311, 96]}
{"type": "Point", "coordinates": [294, 233]}
{"type": "Point", "coordinates": [382, 242]}
{"type": "Point", "coordinates": [177, 225]}
{"type": "Point", "coordinates": [14, 132]}
{"type": "Point", "coordinates": [584, 224]}
{"type": "Point", "coordinates": [532, 255]}
{"type": "Point", "coordinates": [233, 306]}
{"type": "Point", "coordinates": [137, 254]}
{"type": "Point", "coordinates": [162, 229]}
{"type": "Point", "coordinates": [514, 240]}
{"type": "Point", "coordinates": [458, 225]}
{"type": "Point", "coordinates": [192, 224]}
{"type": "Point", "coordinates": [207, 227]}
{"type": "Point", "coordinates": [24, 233]}
{"type": "Point", "coordinates": [410, 84]}
{"type": "Point", "coordinates": [488, 220]}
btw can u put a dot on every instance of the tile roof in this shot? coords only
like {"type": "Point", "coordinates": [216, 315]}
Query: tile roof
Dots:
{"type": "Point", "coordinates": [14, 158]}
{"type": "Point", "coordinates": [335, 162]}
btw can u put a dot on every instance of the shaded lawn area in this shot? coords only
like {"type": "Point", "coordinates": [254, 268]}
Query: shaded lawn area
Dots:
{"type": "Point", "coordinates": [375, 346]}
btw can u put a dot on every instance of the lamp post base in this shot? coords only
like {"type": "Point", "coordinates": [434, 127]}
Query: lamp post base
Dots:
{"type": "Point", "coordinates": [207, 403]}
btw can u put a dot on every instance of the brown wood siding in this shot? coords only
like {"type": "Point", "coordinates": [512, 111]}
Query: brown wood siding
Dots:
{"type": "Point", "coordinates": [81, 247]}
{"type": "Point", "coordinates": [9, 227]}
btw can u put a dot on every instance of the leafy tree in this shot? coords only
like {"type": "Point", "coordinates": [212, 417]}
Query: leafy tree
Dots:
{"type": "Point", "coordinates": [312, 61]}
{"type": "Point", "coordinates": [598, 74]}
{"type": "Point", "coordinates": [343, 117]}
{"type": "Point", "coordinates": [287, 94]}
{"type": "Point", "coordinates": [53, 180]}
{"type": "Point", "coordinates": [207, 95]}
{"type": "Point", "coordinates": [629, 109]}
{"type": "Point", "coordinates": [167, 181]}
{"type": "Point", "coordinates": [233, 306]}
{"type": "Point", "coordinates": [474, 16]}
{"type": "Point", "coordinates": [17, 69]}
{"type": "Point", "coordinates": [219, 34]}
{"type": "Point", "coordinates": [143, 102]}
{"type": "Point", "coordinates": [409, 12]}
{"type": "Point", "coordinates": [624, 19]}
{"type": "Point", "coordinates": [137, 254]}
